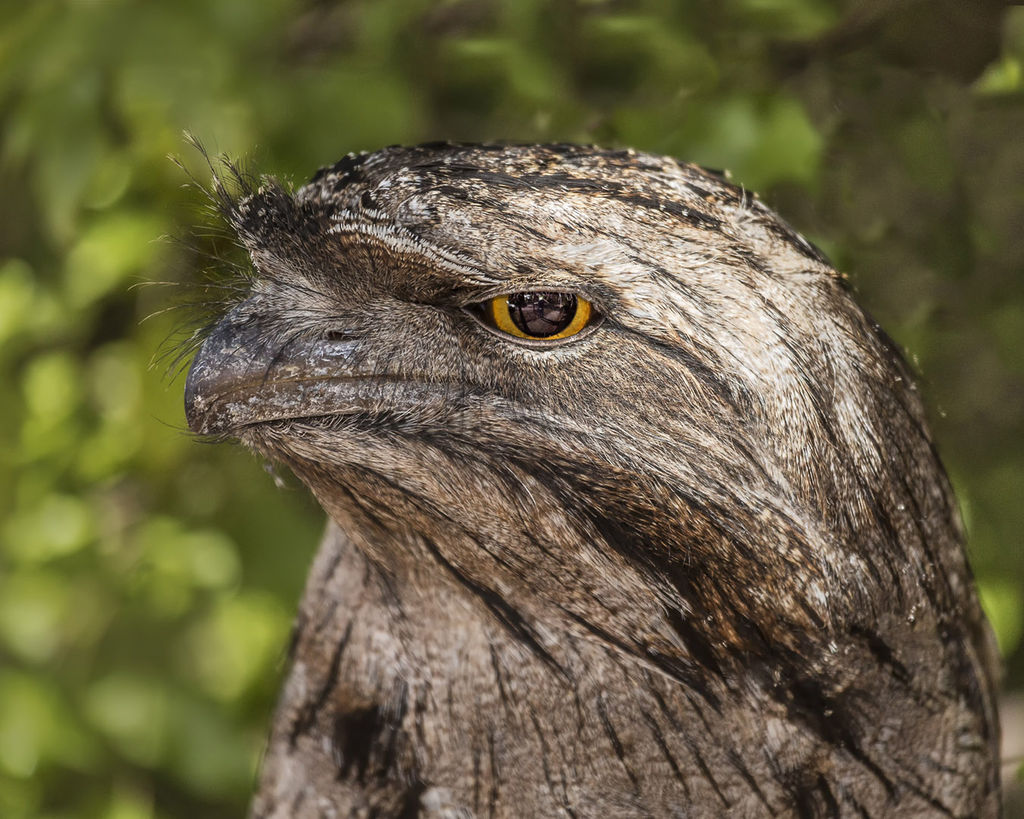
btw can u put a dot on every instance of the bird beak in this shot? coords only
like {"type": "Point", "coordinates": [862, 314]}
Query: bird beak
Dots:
{"type": "Point", "coordinates": [245, 374]}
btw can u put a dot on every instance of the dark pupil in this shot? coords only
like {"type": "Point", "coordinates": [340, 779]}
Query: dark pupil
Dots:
{"type": "Point", "coordinates": [542, 314]}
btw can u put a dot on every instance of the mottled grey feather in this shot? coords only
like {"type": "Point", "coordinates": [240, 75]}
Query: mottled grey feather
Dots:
{"type": "Point", "coordinates": [702, 561]}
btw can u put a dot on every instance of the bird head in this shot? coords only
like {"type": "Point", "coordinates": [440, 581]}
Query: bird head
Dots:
{"type": "Point", "coordinates": [604, 392]}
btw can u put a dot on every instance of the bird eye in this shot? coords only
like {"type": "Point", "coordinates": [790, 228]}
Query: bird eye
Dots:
{"type": "Point", "coordinates": [539, 316]}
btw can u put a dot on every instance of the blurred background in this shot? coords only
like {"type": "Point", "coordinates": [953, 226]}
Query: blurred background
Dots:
{"type": "Point", "coordinates": [147, 581]}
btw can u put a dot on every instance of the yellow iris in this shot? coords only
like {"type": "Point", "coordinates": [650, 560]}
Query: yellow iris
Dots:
{"type": "Point", "coordinates": [501, 314]}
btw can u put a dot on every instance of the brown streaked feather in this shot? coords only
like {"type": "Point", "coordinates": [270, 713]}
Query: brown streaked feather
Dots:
{"type": "Point", "coordinates": [703, 561]}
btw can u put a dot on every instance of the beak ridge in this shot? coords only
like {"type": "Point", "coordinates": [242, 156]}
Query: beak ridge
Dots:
{"type": "Point", "coordinates": [245, 374]}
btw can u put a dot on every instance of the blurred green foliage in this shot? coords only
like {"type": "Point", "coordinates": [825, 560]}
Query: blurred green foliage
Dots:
{"type": "Point", "coordinates": [147, 582]}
